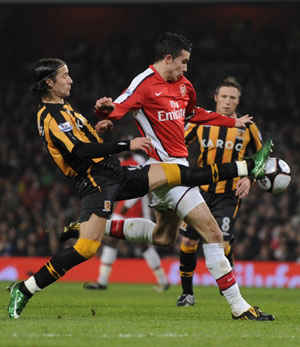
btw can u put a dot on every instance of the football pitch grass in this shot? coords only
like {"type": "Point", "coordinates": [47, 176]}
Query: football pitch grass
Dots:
{"type": "Point", "coordinates": [64, 314]}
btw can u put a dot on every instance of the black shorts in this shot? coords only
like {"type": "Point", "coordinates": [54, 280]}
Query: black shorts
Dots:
{"type": "Point", "coordinates": [108, 182]}
{"type": "Point", "coordinates": [224, 208]}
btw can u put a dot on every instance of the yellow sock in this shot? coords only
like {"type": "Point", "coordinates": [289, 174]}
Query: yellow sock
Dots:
{"type": "Point", "coordinates": [86, 247]}
{"type": "Point", "coordinates": [172, 173]}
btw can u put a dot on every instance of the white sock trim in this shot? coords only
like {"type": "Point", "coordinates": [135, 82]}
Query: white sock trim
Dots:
{"type": "Point", "coordinates": [107, 228]}
{"type": "Point", "coordinates": [218, 265]}
{"type": "Point", "coordinates": [234, 298]}
{"type": "Point", "coordinates": [31, 285]}
{"type": "Point", "coordinates": [135, 229]}
{"type": "Point", "coordinates": [215, 260]}
{"type": "Point", "coordinates": [139, 230]}
{"type": "Point", "coordinates": [242, 168]}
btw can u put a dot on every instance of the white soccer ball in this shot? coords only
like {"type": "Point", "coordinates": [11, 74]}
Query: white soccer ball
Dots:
{"type": "Point", "coordinates": [278, 176]}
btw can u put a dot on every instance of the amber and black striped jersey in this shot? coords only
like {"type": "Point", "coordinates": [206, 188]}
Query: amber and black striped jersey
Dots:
{"type": "Point", "coordinates": [222, 145]}
{"type": "Point", "coordinates": [61, 128]}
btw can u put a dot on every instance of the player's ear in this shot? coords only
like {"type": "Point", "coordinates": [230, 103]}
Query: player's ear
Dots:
{"type": "Point", "coordinates": [49, 82]}
{"type": "Point", "coordinates": [216, 97]}
{"type": "Point", "coordinates": [168, 59]}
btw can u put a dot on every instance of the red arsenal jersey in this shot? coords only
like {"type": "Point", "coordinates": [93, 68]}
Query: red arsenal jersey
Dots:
{"type": "Point", "coordinates": [160, 109]}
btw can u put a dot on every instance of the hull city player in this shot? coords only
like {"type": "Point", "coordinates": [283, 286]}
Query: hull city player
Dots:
{"type": "Point", "coordinates": [133, 208]}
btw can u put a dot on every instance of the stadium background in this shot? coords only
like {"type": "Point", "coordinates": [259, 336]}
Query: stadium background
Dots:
{"type": "Point", "coordinates": [105, 47]}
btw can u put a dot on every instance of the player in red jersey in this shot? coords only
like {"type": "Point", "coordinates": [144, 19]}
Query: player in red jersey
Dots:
{"type": "Point", "coordinates": [133, 208]}
{"type": "Point", "coordinates": [161, 100]}
{"type": "Point", "coordinates": [78, 151]}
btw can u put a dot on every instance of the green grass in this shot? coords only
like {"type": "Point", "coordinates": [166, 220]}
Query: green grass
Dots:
{"type": "Point", "coordinates": [134, 315]}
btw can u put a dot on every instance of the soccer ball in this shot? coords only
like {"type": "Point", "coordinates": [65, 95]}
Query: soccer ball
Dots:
{"type": "Point", "coordinates": [278, 176]}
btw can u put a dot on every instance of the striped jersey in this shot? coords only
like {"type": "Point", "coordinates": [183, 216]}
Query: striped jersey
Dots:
{"type": "Point", "coordinates": [61, 128]}
{"type": "Point", "coordinates": [160, 109]}
{"type": "Point", "coordinates": [223, 145]}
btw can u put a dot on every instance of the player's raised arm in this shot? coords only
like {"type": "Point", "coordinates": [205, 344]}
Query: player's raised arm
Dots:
{"type": "Point", "coordinates": [104, 106]}
{"type": "Point", "coordinates": [141, 143]}
{"type": "Point", "coordinates": [202, 116]}
{"type": "Point", "coordinates": [243, 121]}
{"type": "Point", "coordinates": [103, 125]}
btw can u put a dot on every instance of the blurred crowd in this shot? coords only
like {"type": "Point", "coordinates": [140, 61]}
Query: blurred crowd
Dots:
{"type": "Point", "coordinates": [36, 198]}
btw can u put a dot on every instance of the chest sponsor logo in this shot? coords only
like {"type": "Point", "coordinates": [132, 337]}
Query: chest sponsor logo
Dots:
{"type": "Point", "coordinates": [64, 127]}
{"type": "Point", "coordinates": [182, 89]}
{"type": "Point", "coordinates": [221, 144]}
{"type": "Point", "coordinates": [172, 115]}
{"type": "Point", "coordinates": [176, 112]}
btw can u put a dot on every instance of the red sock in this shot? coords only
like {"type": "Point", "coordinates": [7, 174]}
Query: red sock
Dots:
{"type": "Point", "coordinates": [226, 281]}
{"type": "Point", "coordinates": [117, 229]}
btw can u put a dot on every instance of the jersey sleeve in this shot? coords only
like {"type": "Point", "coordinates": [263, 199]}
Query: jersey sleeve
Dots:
{"type": "Point", "coordinates": [130, 100]}
{"type": "Point", "coordinates": [202, 116]}
{"type": "Point", "coordinates": [190, 133]}
{"type": "Point", "coordinates": [190, 108]}
{"type": "Point", "coordinates": [256, 138]}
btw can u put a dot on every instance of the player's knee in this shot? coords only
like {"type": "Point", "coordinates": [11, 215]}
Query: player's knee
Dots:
{"type": "Point", "coordinates": [209, 231]}
{"type": "Point", "coordinates": [215, 235]}
{"type": "Point", "coordinates": [86, 247]}
{"type": "Point", "coordinates": [214, 231]}
{"type": "Point", "coordinates": [189, 242]}
{"type": "Point", "coordinates": [164, 241]}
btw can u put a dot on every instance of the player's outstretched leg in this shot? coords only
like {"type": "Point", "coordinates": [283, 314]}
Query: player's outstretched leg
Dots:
{"type": "Point", "coordinates": [131, 229]}
{"type": "Point", "coordinates": [260, 158]}
{"type": "Point", "coordinates": [17, 300]}
{"type": "Point", "coordinates": [70, 231]}
{"type": "Point", "coordinates": [220, 269]}
{"type": "Point", "coordinates": [55, 268]}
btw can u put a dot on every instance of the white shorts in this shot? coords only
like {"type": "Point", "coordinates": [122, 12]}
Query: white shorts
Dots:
{"type": "Point", "coordinates": [180, 199]}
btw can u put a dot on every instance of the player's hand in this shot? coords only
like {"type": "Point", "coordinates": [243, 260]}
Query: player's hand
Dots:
{"type": "Point", "coordinates": [104, 105]}
{"type": "Point", "coordinates": [243, 187]}
{"type": "Point", "coordinates": [242, 121]}
{"type": "Point", "coordinates": [103, 125]}
{"type": "Point", "coordinates": [141, 143]}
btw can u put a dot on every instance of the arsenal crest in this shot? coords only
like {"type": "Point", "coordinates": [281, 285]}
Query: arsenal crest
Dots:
{"type": "Point", "coordinates": [183, 89]}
